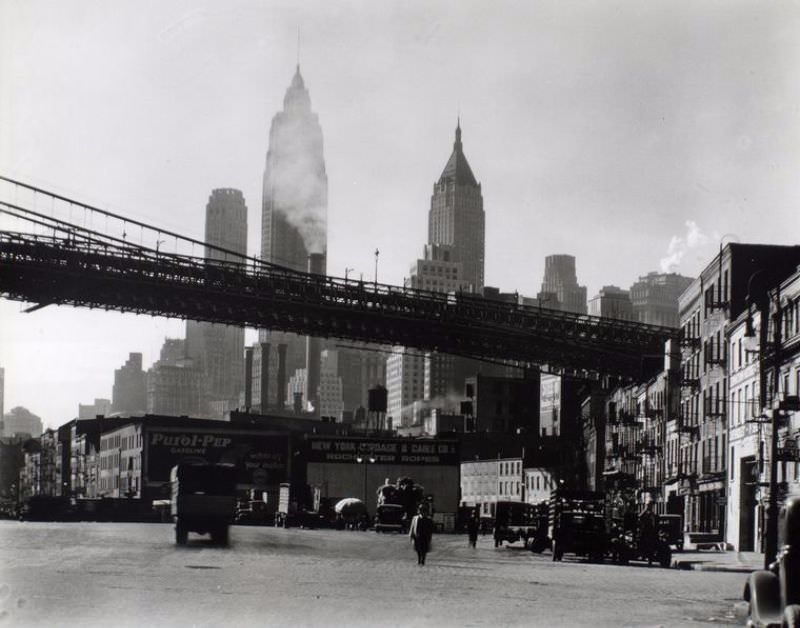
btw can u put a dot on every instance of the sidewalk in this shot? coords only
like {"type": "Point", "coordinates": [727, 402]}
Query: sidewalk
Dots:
{"type": "Point", "coordinates": [716, 560]}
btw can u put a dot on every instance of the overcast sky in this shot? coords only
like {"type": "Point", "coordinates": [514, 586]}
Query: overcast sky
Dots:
{"type": "Point", "coordinates": [632, 135]}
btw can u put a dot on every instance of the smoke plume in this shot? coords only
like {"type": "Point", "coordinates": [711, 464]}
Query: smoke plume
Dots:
{"type": "Point", "coordinates": [679, 246]}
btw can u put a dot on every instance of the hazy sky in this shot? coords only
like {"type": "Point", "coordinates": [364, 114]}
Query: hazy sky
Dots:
{"type": "Point", "coordinates": [633, 135]}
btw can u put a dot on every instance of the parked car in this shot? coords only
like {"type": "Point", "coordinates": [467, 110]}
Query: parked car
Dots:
{"type": "Point", "coordinates": [670, 529]}
{"type": "Point", "coordinates": [774, 593]}
{"type": "Point", "coordinates": [626, 544]}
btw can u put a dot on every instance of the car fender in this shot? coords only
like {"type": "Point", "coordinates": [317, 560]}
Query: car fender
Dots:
{"type": "Point", "coordinates": [763, 592]}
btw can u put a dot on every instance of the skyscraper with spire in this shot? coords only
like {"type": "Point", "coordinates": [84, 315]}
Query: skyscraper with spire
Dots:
{"type": "Point", "coordinates": [456, 217]}
{"type": "Point", "coordinates": [295, 209]}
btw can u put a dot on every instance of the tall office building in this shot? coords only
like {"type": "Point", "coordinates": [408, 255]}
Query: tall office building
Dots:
{"type": "Point", "coordinates": [560, 280]}
{"type": "Point", "coordinates": [100, 407]}
{"type": "Point", "coordinates": [612, 302]}
{"type": "Point", "coordinates": [655, 298]}
{"type": "Point", "coordinates": [129, 395]}
{"type": "Point", "coordinates": [404, 385]}
{"type": "Point", "coordinates": [174, 381]}
{"type": "Point", "coordinates": [443, 374]}
{"type": "Point", "coordinates": [21, 422]}
{"type": "Point", "coordinates": [295, 207]}
{"type": "Point", "coordinates": [218, 350]}
{"type": "Point", "coordinates": [456, 217]}
{"type": "Point", "coordinates": [360, 367]}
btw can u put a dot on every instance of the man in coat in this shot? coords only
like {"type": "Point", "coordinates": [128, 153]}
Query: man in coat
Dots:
{"type": "Point", "coordinates": [421, 532]}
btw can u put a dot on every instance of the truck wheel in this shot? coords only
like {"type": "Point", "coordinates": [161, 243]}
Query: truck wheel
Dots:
{"type": "Point", "coordinates": [181, 534]}
{"type": "Point", "coordinates": [791, 616]}
{"type": "Point", "coordinates": [219, 536]}
{"type": "Point", "coordinates": [665, 556]}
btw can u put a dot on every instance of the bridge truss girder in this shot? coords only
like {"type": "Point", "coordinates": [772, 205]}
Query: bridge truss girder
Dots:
{"type": "Point", "coordinates": [131, 279]}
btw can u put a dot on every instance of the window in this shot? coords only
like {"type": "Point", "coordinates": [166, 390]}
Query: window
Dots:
{"type": "Point", "coordinates": [746, 402]}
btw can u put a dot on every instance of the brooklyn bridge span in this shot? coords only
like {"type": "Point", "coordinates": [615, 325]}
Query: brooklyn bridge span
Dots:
{"type": "Point", "coordinates": [58, 251]}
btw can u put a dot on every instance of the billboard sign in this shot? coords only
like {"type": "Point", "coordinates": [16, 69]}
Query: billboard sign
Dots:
{"type": "Point", "coordinates": [261, 458]}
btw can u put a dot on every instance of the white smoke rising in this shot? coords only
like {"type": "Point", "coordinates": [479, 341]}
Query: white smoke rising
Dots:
{"type": "Point", "coordinates": [679, 246]}
{"type": "Point", "coordinates": [299, 182]}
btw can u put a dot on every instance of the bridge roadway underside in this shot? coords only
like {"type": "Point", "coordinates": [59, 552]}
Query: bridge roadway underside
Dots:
{"type": "Point", "coordinates": [130, 279]}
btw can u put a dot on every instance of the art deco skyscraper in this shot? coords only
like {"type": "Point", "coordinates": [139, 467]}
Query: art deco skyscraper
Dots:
{"type": "Point", "coordinates": [218, 350]}
{"type": "Point", "coordinates": [456, 217]}
{"type": "Point", "coordinates": [560, 279]}
{"type": "Point", "coordinates": [295, 206]}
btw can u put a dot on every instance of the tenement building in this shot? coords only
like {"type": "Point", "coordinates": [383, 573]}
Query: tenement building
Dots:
{"type": "Point", "coordinates": [738, 277]}
{"type": "Point", "coordinates": [763, 345]}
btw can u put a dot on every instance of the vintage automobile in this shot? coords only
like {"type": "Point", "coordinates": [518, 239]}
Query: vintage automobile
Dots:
{"type": "Point", "coordinates": [577, 524]}
{"type": "Point", "coordinates": [390, 518]}
{"type": "Point", "coordinates": [626, 544]}
{"type": "Point", "coordinates": [580, 533]}
{"type": "Point", "coordinates": [670, 530]}
{"type": "Point", "coordinates": [774, 593]}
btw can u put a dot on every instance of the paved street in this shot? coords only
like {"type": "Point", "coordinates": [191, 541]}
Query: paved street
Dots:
{"type": "Point", "coordinates": [100, 574]}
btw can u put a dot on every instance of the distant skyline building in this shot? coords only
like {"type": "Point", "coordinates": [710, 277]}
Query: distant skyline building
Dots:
{"type": "Point", "coordinates": [2, 395]}
{"type": "Point", "coordinates": [456, 217]}
{"type": "Point", "coordinates": [612, 302]}
{"type": "Point", "coordinates": [100, 407]}
{"type": "Point", "coordinates": [21, 422]}
{"type": "Point", "coordinates": [218, 350]}
{"type": "Point", "coordinates": [443, 375]}
{"type": "Point", "coordinates": [655, 298]}
{"type": "Point", "coordinates": [404, 385]}
{"type": "Point", "coordinates": [129, 394]}
{"type": "Point", "coordinates": [561, 280]}
{"type": "Point", "coordinates": [295, 207]}
{"type": "Point", "coordinates": [360, 367]}
{"type": "Point", "coordinates": [173, 382]}
{"type": "Point", "coordinates": [331, 403]}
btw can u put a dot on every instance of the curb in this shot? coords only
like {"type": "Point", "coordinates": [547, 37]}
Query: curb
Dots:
{"type": "Point", "coordinates": [688, 565]}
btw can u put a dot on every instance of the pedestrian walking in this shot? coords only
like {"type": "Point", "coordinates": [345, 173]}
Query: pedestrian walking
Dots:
{"type": "Point", "coordinates": [472, 529]}
{"type": "Point", "coordinates": [498, 534]}
{"type": "Point", "coordinates": [648, 532]}
{"type": "Point", "coordinates": [421, 533]}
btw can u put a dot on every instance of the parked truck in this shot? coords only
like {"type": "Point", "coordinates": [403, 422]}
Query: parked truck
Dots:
{"type": "Point", "coordinates": [397, 504]}
{"type": "Point", "coordinates": [577, 524]}
{"type": "Point", "coordinates": [302, 507]}
{"type": "Point", "coordinates": [203, 500]}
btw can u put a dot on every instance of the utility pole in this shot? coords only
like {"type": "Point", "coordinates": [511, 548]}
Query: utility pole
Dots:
{"type": "Point", "coordinates": [771, 546]}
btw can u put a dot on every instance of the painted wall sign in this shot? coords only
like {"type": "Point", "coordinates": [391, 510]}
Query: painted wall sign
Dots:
{"type": "Point", "coordinates": [264, 455]}
{"type": "Point", "coordinates": [387, 451]}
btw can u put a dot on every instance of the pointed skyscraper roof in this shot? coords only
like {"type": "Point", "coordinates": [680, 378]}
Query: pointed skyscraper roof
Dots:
{"type": "Point", "coordinates": [297, 96]}
{"type": "Point", "coordinates": [457, 168]}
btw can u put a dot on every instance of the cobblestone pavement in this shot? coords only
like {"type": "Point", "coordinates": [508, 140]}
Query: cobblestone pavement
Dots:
{"type": "Point", "coordinates": [95, 574]}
